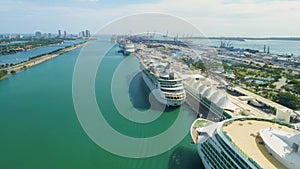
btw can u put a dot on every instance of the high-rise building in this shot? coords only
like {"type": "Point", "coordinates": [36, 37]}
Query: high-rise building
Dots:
{"type": "Point", "coordinates": [59, 33]}
{"type": "Point", "coordinates": [87, 33]}
{"type": "Point", "coordinates": [83, 34]}
{"type": "Point", "coordinates": [65, 34]}
{"type": "Point", "coordinates": [45, 35]}
{"type": "Point", "coordinates": [38, 34]}
{"type": "Point", "coordinates": [19, 36]}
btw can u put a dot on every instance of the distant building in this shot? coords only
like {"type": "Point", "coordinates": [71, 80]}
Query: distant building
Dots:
{"type": "Point", "coordinates": [49, 35]}
{"type": "Point", "coordinates": [19, 36]}
{"type": "Point", "coordinates": [83, 34]}
{"type": "Point", "coordinates": [65, 34]}
{"type": "Point", "coordinates": [59, 33]}
{"type": "Point", "coordinates": [38, 34]}
{"type": "Point", "coordinates": [87, 33]}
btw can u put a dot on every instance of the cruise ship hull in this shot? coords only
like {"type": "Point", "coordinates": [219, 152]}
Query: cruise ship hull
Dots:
{"type": "Point", "coordinates": [203, 158]}
{"type": "Point", "coordinates": [159, 96]}
{"type": "Point", "coordinates": [126, 48]}
{"type": "Point", "coordinates": [125, 52]}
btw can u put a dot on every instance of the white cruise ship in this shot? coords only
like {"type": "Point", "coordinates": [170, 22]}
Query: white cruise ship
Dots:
{"type": "Point", "coordinates": [166, 85]}
{"type": "Point", "coordinates": [126, 47]}
{"type": "Point", "coordinates": [247, 143]}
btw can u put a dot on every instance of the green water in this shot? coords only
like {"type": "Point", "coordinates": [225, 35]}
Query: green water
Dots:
{"type": "Point", "coordinates": [39, 127]}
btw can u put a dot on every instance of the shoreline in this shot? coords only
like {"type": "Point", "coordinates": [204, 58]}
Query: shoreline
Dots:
{"type": "Point", "coordinates": [35, 61]}
{"type": "Point", "coordinates": [247, 38]}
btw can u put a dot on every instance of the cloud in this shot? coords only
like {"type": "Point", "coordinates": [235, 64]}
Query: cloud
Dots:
{"type": "Point", "coordinates": [213, 17]}
{"type": "Point", "coordinates": [246, 18]}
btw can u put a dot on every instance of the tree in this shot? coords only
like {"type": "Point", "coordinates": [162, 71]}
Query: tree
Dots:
{"type": "Point", "coordinates": [200, 65]}
{"type": "Point", "coordinates": [272, 86]}
{"type": "Point", "coordinates": [289, 100]}
{"type": "Point", "coordinates": [226, 66]}
{"type": "Point", "coordinates": [2, 73]}
{"type": "Point", "coordinates": [273, 110]}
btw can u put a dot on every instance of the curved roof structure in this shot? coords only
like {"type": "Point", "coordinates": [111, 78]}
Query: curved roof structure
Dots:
{"type": "Point", "coordinates": [208, 92]}
{"type": "Point", "coordinates": [225, 103]}
{"type": "Point", "coordinates": [190, 81]}
{"type": "Point", "coordinates": [206, 82]}
{"type": "Point", "coordinates": [196, 85]}
{"type": "Point", "coordinates": [202, 88]}
{"type": "Point", "coordinates": [193, 83]}
{"type": "Point", "coordinates": [214, 95]}
{"type": "Point", "coordinates": [217, 96]}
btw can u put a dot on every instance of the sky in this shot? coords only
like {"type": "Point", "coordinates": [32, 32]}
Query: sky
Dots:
{"type": "Point", "coordinates": [251, 18]}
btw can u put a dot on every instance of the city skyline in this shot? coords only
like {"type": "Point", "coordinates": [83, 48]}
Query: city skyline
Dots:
{"type": "Point", "coordinates": [58, 33]}
{"type": "Point", "coordinates": [255, 18]}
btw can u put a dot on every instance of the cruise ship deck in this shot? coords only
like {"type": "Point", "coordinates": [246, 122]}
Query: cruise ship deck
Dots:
{"type": "Point", "coordinates": [244, 134]}
{"type": "Point", "coordinates": [247, 143]}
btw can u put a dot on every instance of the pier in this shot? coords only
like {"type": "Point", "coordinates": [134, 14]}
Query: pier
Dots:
{"type": "Point", "coordinates": [197, 104]}
{"type": "Point", "coordinates": [214, 102]}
